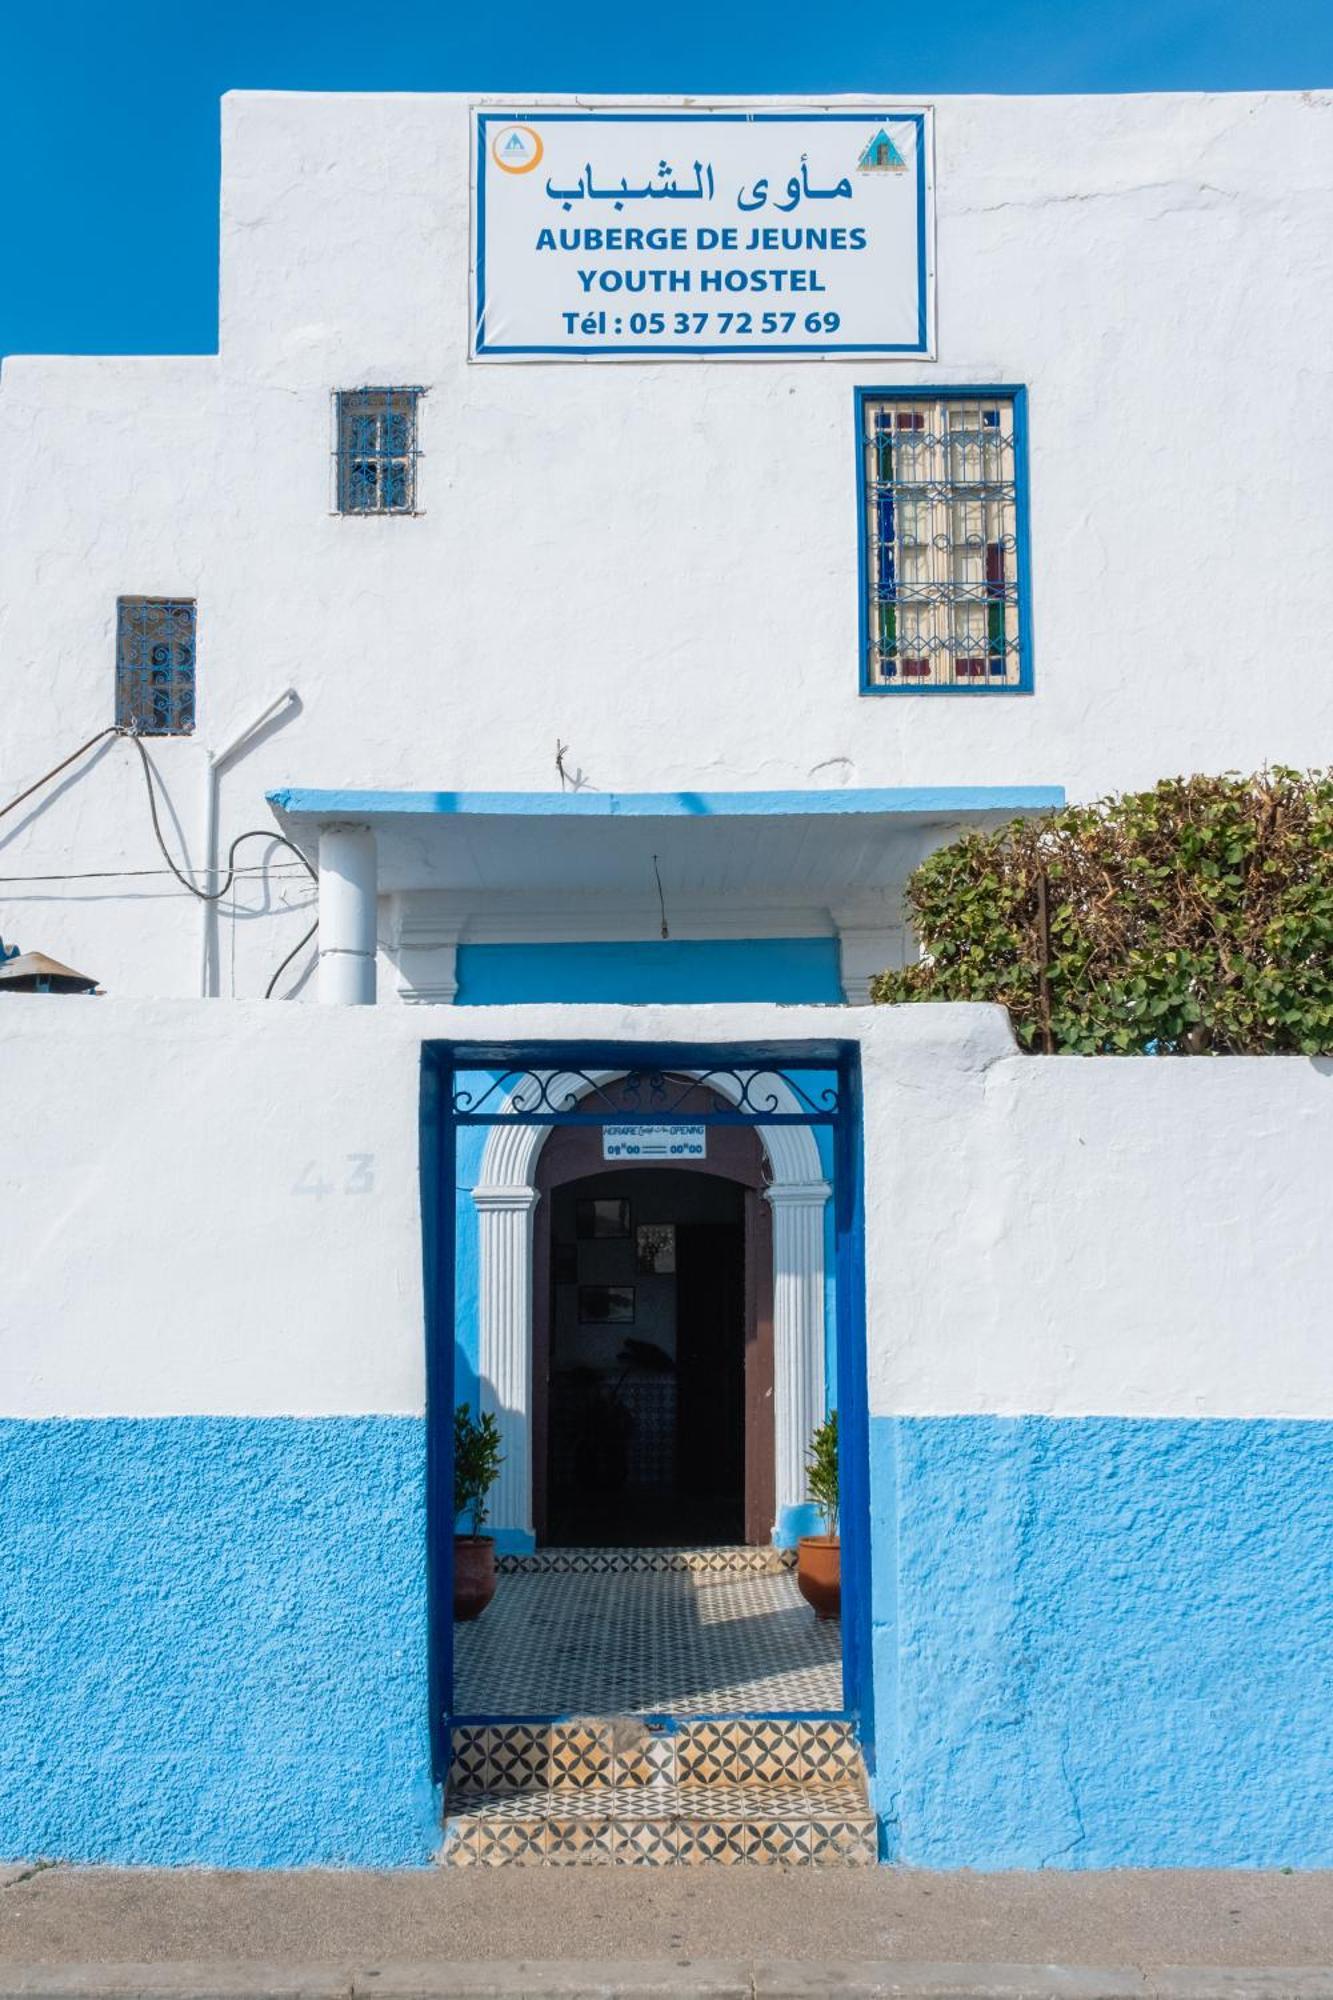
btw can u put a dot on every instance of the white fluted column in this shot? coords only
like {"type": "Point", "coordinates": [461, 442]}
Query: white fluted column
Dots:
{"type": "Point", "coordinates": [347, 909]}
{"type": "Point", "coordinates": [798, 1331]}
{"type": "Point", "coordinates": [504, 1221]}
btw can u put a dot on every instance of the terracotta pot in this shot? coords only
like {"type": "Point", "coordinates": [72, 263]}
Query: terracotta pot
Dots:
{"type": "Point", "coordinates": [819, 1573]}
{"type": "Point", "coordinates": [474, 1575]}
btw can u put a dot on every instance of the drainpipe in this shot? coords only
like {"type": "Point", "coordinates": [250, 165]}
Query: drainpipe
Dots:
{"type": "Point", "coordinates": [216, 759]}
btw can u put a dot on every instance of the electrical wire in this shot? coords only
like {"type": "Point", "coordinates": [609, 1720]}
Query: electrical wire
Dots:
{"type": "Point", "coordinates": [215, 895]}
{"type": "Point", "coordinates": [300, 945]}
{"type": "Point", "coordinates": [252, 833]}
{"type": "Point", "coordinates": [138, 874]}
{"type": "Point", "coordinates": [203, 895]}
{"type": "Point", "coordinates": [56, 769]}
{"type": "Point", "coordinates": [661, 899]}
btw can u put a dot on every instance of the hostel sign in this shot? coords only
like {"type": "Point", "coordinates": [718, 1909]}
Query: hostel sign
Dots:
{"type": "Point", "coordinates": [610, 234]}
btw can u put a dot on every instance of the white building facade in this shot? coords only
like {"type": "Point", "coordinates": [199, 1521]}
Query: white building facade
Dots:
{"type": "Point", "coordinates": [600, 699]}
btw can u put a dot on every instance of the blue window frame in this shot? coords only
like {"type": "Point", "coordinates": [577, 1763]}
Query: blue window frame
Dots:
{"type": "Point", "coordinates": [155, 660]}
{"type": "Point", "coordinates": [943, 541]}
{"type": "Point", "coordinates": [376, 451]}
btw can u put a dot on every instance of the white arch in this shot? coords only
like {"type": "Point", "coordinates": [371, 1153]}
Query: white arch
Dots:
{"type": "Point", "coordinates": [505, 1198]}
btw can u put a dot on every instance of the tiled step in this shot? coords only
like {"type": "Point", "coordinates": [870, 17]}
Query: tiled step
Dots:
{"type": "Point", "coordinates": [625, 1791]}
{"type": "Point", "coordinates": [737, 1561]}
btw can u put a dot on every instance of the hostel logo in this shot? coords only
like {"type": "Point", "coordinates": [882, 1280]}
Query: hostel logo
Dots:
{"type": "Point", "coordinates": [516, 149]}
{"type": "Point", "coordinates": [881, 156]}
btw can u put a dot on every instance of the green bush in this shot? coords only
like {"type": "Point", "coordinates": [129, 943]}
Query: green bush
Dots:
{"type": "Point", "coordinates": [477, 1462]}
{"type": "Point", "coordinates": [1196, 918]}
{"type": "Point", "coordinates": [821, 1474]}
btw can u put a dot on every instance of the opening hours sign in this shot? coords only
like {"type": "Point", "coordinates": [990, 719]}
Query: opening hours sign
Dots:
{"type": "Point", "coordinates": [606, 234]}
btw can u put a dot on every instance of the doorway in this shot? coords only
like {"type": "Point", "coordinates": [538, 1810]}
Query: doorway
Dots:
{"type": "Point", "coordinates": [652, 1345]}
{"type": "Point", "coordinates": [692, 1631]}
{"type": "Point", "coordinates": [645, 1361]}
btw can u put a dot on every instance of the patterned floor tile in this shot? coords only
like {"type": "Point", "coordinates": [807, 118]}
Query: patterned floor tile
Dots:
{"type": "Point", "coordinates": [517, 1756]}
{"type": "Point", "coordinates": [830, 1753]}
{"type": "Point", "coordinates": [647, 1843]}
{"type": "Point", "coordinates": [852, 1841]}
{"type": "Point", "coordinates": [726, 1842]}
{"type": "Point", "coordinates": [495, 1843]}
{"type": "Point", "coordinates": [740, 1753]}
{"type": "Point", "coordinates": [580, 1840]}
{"type": "Point", "coordinates": [595, 1561]}
{"type": "Point", "coordinates": [468, 1760]}
{"type": "Point", "coordinates": [607, 1637]}
{"type": "Point", "coordinates": [579, 1754]}
{"type": "Point", "coordinates": [635, 1640]}
{"type": "Point", "coordinates": [498, 1808]}
{"type": "Point", "coordinates": [616, 1802]}
{"type": "Point", "coordinates": [642, 1757]}
{"type": "Point", "coordinates": [661, 1825]}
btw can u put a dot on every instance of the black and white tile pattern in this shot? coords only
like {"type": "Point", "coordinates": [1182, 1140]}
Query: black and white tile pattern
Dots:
{"type": "Point", "coordinates": [659, 1631]}
{"type": "Point", "coordinates": [649, 1795]}
{"type": "Point", "coordinates": [758, 1561]}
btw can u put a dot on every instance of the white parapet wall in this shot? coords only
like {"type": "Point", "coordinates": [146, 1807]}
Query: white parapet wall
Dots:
{"type": "Point", "coordinates": [1099, 1397]}
{"type": "Point", "coordinates": [218, 1210]}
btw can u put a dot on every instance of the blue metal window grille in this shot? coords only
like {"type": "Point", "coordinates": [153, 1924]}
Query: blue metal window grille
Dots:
{"type": "Point", "coordinates": [942, 538]}
{"type": "Point", "coordinates": [155, 661]}
{"type": "Point", "coordinates": [377, 451]}
{"type": "Point", "coordinates": [576, 1096]}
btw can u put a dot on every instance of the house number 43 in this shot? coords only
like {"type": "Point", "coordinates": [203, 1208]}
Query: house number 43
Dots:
{"type": "Point", "coordinates": [359, 1178]}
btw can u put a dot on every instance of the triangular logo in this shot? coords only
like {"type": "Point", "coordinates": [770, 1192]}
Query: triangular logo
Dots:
{"type": "Point", "coordinates": [881, 156]}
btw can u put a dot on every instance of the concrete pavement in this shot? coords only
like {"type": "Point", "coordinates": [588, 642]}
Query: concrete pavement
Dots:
{"type": "Point", "coordinates": [347, 1935]}
{"type": "Point", "coordinates": [737, 1979]}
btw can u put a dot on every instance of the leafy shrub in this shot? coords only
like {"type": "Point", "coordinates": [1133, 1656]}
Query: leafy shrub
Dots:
{"type": "Point", "coordinates": [821, 1477]}
{"type": "Point", "coordinates": [477, 1462]}
{"type": "Point", "coordinates": [1196, 918]}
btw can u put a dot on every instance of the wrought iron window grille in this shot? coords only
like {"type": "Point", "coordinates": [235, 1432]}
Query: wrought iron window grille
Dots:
{"type": "Point", "coordinates": [155, 665]}
{"type": "Point", "coordinates": [642, 1096]}
{"type": "Point", "coordinates": [376, 450]}
{"type": "Point", "coordinates": [942, 535]}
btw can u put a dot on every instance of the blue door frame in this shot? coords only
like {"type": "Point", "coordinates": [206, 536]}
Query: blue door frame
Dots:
{"type": "Point", "coordinates": [756, 1066]}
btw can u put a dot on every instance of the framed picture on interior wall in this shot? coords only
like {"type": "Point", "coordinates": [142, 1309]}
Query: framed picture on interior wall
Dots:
{"type": "Point", "coordinates": [606, 1305]}
{"type": "Point", "coordinates": [655, 1248]}
{"type": "Point", "coordinates": [565, 1263]}
{"type": "Point", "coordinates": [599, 1216]}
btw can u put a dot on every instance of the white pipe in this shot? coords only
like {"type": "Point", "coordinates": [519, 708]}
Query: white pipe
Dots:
{"type": "Point", "coordinates": [212, 770]}
{"type": "Point", "coordinates": [347, 913]}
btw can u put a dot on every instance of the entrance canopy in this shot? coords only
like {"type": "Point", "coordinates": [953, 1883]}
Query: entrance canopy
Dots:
{"type": "Point", "coordinates": [486, 866]}
{"type": "Point", "coordinates": [816, 844]}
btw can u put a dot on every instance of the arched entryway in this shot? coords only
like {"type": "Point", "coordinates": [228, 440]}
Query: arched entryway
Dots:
{"type": "Point", "coordinates": [652, 1370]}
{"type": "Point", "coordinates": [787, 1177]}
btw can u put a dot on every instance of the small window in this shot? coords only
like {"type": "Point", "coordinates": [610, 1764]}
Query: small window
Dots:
{"type": "Point", "coordinates": [155, 644]}
{"type": "Point", "coordinates": [377, 451]}
{"type": "Point", "coordinates": [942, 531]}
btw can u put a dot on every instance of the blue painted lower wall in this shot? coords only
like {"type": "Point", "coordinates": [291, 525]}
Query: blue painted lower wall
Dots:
{"type": "Point", "coordinates": [1098, 1642]}
{"type": "Point", "coordinates": [213, 1642]}
{"type": "Point", "coordinates": [1104, 1642]}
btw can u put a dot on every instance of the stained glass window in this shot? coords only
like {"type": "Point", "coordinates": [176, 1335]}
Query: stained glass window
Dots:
{"type": "Point", "coordinates": [942, 541]}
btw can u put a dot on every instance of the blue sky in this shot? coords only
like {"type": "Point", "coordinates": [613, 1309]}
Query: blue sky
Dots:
{"type": "Point", "coordinates": [109, 112]}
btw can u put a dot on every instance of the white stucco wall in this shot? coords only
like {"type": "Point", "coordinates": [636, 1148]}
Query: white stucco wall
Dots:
{"type": "Point", "coordinates": [1052, 1235]}
{"type": "Point", "coordinates": [656, 563]}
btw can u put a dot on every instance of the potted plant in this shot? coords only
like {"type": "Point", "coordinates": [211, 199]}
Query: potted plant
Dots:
{"type": "Point", "coordinates": [477, 1462]}
{"type": "Point", "coordinates": [819, 1557]}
